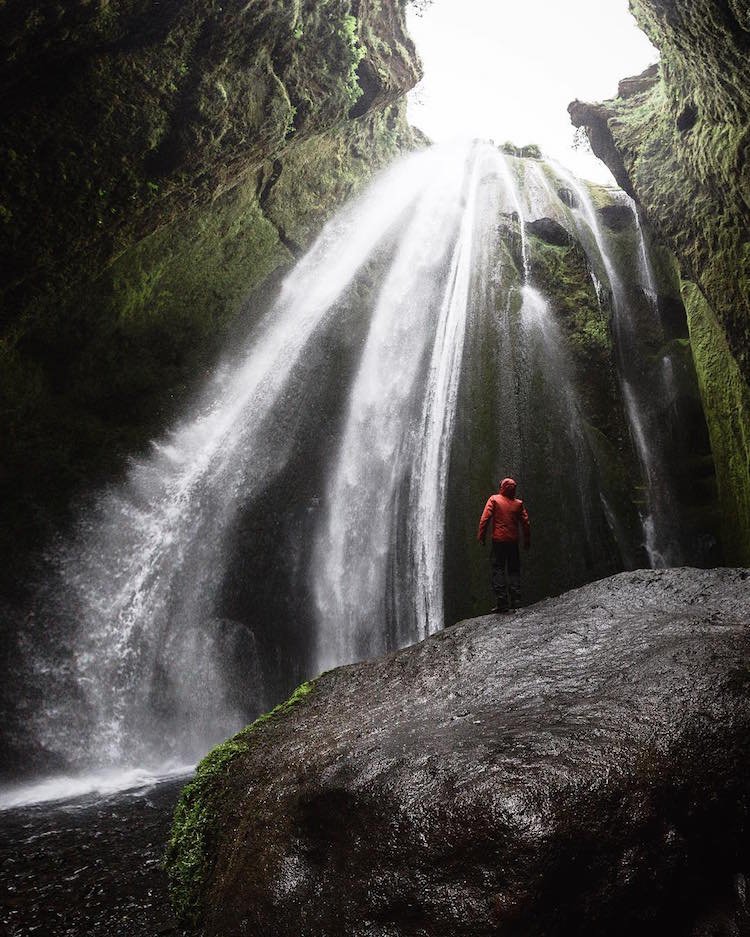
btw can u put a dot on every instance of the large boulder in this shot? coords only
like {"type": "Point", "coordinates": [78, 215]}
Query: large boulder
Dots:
{"type": "Point", "coordinates": [578, 768]}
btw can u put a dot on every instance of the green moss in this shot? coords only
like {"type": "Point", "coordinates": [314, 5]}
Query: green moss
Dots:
{"type": "Point", "coordinates": [350, 35]}
{"type": "Point", "coordinates": [684, 147]}
{"type": "Point", "coordinates": [681, 146]}
{"type": "Point", "coordinates": [530, 151]}
{"type": "Point", "coordinates": [563, 275]}
{"type": "Point", "coordinates": [601, 195]}
{"type": "Point", "coordinates": [199, 817]}
{"type": "Point", "coordinates": [726, 399]}
{"type": "Point", "coordinates": [299, 694]}
{"type": "Point", "coordinates": [328, 170]}
{"type": "Point", "coordinates": [82, 389]}
{"type": "Point", "coordinates": [196, 820]}
{"type": "Point", "coordinates": [102, 352]}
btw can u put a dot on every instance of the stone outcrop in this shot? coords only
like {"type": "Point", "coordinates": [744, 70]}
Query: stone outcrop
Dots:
{"type": "Point", "coordinates": [581, 767]}
{"type": "Point", "coordinates": [678, 142]}
{"type": "Point", "coordinates": [161, 160]}
{"type": "Point", "coordinates": [550, 231]}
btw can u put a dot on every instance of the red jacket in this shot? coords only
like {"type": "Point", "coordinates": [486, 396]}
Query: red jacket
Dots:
{"type": "Point", "coordinates": [508, 515]}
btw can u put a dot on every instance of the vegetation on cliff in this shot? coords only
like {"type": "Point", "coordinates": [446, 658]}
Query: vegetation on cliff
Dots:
{"type": "Point", "coordinates": [677, 139]}
{"type": "Point", "coordinates": [162, 160]}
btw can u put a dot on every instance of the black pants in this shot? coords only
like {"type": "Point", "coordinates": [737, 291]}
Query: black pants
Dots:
{"type": "Point", "coordinates": [505, 557]}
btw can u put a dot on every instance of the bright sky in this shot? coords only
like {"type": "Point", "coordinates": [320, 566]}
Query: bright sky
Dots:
{"type": "Point", "coordinates": [507, 69]}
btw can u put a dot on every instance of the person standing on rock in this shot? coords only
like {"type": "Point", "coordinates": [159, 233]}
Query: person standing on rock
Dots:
{"type": "Point", "coordinates": [509, 517]}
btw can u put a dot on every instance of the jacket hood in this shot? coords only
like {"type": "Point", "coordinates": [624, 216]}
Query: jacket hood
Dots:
{"type": "Point", "coordinates": [508, 488]}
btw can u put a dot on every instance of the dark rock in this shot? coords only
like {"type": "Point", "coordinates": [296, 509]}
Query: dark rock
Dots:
{"type": "Point", "coordinates": [617, 217]}
{"type": "Point", "coordinates": [672, 316]}
{"type": "Point", "coordinates": [550, 231]}
{"type": "Point", "coordinates": [595, 118]}
{"type": "Point", "coordinates": [579, 768]}
{"type": "Point", "coordinates": [568, 197]}
{"type": "Point", "coordinates": [687, 119]}
{"type": "Point", "coordinates": [638, 83]}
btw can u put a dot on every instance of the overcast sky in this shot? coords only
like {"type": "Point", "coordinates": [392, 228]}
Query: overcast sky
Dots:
{"type": "Point", "coordinates": [507, 69]}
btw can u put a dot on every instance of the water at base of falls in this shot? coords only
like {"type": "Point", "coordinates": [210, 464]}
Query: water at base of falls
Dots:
{"type": "Point", "coordinates": [97, 784]}
{"type": "Point", "coordinates": [296, 518]}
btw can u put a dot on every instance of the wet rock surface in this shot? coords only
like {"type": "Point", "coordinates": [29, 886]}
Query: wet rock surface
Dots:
{"type": "Point", "coordinates": [550, 231]}
{"type": "Point", "coordinates": [90, 867]}
{"type": "Point", "coordinates": [580, 767]}
{"type": "Point", "coordinates": [617, 217]}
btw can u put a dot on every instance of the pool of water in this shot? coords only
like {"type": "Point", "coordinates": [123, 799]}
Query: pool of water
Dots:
{"type": "Point", "coordinates": [89, 866]}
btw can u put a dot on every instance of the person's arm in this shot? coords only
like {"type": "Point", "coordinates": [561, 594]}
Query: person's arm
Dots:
{"type": "Point", "coordinates": [526, 527]}
{"type": "Point", "coordinates": [484, 520]}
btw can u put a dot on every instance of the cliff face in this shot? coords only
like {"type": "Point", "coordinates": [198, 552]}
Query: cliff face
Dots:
{"type": "Point", "coordinates": [161, 160]}
{"type": "Point", "coordinates": [677, 139]}
{"type": "Point", "coordinates": [604, 331]}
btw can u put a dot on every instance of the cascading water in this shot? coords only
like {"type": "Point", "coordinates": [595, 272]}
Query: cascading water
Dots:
{"type": "Point", "coordinates": [352, 556]}
{"type": "Point", "coordinates": [141, 577]}
{"type": "Point", "coordinates": [409, 361]}
{"type": "Point", "coordinates": [395, 448]}
{"type": "Point", "coordinates": [660, 519]}
{"type": "Point", "coordinates": [552, 354]}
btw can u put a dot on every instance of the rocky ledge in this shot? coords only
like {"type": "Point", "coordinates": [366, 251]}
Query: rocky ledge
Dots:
{"type": "Point", "coordinates": [578, 768]}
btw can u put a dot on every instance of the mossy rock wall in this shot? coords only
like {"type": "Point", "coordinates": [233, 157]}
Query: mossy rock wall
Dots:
{"type": "Point", "coordinates": [543, 401]}
{"type": "Point", "coordinates": [207, 809]}
{"type": "Point", "coordinates": [163, 165]}
{"type": "Point", "coordinates": [727, 405]}
{"type": "Point", "coordinates": [677, 139]}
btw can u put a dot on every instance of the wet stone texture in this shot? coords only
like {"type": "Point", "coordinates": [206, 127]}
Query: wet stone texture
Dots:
{"type": "Point", "coordinates": [578, 768]}
{"type": "Point", "coordinates": [88, 868]}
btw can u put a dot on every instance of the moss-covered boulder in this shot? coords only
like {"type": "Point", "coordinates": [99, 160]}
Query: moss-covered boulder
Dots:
{"type": "Point", "coordinates": [677, 139]}
{"type": "Point", "coordinates": [161, 160]}
{"type": "Point", "coordinates": [579, 768]}
{"type": "Point", "coordinates": [199, 820]}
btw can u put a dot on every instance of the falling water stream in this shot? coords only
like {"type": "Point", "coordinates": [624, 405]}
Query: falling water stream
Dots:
{"type": "Point", "coordinates": [139, 586]}
{"type": "Point", "coordinates": [659, 516]}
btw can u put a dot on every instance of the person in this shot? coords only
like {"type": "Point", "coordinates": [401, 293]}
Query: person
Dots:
{"type": "Point", "coordinates": [509, 518]}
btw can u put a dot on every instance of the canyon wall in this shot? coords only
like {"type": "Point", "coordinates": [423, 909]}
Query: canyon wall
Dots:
{"type": "Point", "coordinates": [677, 138]}
{"type": "Point", "coordinates": [161, 162]}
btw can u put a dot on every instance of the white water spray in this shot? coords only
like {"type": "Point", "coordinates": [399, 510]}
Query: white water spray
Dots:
{"type": "Point", "coordinates": [143, 578]}
{"type": "Point", "coordinates": [142, 575]}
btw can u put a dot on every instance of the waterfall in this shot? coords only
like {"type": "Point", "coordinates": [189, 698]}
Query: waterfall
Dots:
{"type": "Point", "coordinates": [378, 563]}
{"type": "Point", "coordinates": [659, 521]}
{"type": "Point", "coordinates": [429, 477]}
{"type": "Point", "coordinates": [317, 502]}
{"type": "Point", "coordinates": [140, 578]}
{"type": "Point", "coordinates": [355, 546]}
{"type": "Point", "coordinates": [647, 278]}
